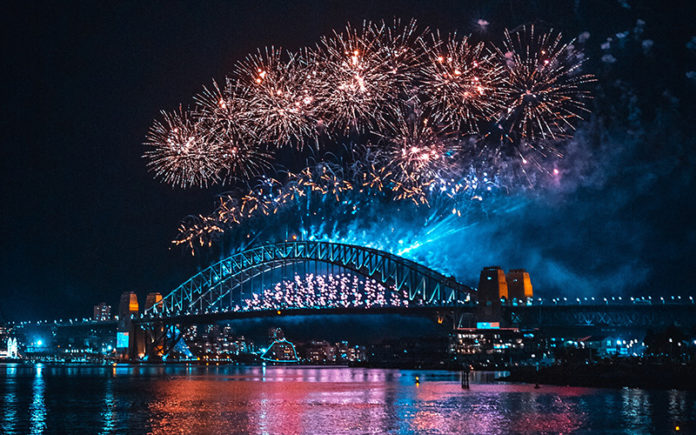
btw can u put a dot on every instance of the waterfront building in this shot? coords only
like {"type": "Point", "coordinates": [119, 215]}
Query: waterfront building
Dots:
{"type": "Point", "coordinates": [216, 341]}
{"type": "Point", "coordinates": [347, 353]}
{"type": "Point", "coordinates": [11, 351]}
{"type": "Point", "coordinates": [102, 312]}
{"type": "Point", "coordinates": [319, 352]}
{"type": "Point", "coordinates": [489, 345]}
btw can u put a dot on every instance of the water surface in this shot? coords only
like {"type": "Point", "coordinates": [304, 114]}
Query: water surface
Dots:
{"type": "Point", "coordinates": [233, 399]}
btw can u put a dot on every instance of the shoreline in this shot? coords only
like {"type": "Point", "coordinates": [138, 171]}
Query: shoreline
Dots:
{"type": "Point", "coordinates": [619, 374]}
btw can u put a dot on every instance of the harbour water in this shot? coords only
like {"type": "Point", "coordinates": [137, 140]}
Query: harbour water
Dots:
{"type": "Point", "coordinates": [234, 399]}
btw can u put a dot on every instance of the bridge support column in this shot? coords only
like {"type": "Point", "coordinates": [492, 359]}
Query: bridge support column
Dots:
{"type": "Point", "coordinates": [159, 339]}
{"type": "Point", "coordinates": [136, 342]}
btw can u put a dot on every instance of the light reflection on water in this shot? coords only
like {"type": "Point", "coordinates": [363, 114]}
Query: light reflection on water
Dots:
{"type": "Point", "coordinates": [37, 411]}
{"type": "Point", "coordinates": [225, 399]}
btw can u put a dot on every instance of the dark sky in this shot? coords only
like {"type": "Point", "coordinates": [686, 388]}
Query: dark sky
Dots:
{"type": "Point", "coordinates": [82, 220]}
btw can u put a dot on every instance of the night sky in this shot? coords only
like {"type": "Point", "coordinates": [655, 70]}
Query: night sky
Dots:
{"type": "Point", "coordinates": [82, 220]}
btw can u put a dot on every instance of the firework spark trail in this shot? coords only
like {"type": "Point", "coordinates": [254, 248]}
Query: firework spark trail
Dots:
{"type": "Point", "coordinates": [324, 291]}
{"type": "Point", "coordinates": [326, 192]}
{"type": "Point", "coordinates": [424, 111]}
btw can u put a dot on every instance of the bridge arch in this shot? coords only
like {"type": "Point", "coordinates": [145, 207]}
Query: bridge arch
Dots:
{"type": "Point", "coordinates": [212, 288]}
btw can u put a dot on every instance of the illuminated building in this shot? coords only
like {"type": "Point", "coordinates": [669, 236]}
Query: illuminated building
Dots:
{"type": "Point", "coordinates": [319, 352]}
{"type": "Point", "coordinates": [216, 341]}
{"type": "Point", "coordinates": [12, 349]}
{"type": "Point", "coordinates": [347, 353]}
{"type": "Point", "coordinates": [491, 346]}
{"type": "Point", "coordinates": [519, 284]}
{"type": "Point", "coordinates": [102, 312]}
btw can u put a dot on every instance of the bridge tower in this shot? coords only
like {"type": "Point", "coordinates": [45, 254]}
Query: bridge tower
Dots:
{"type": "Point", "coordinates": [492, 287]}
{"type": "Point", "coordinates": [129, 342]}
{"type": "Point", "coordinates": [152, 299]}
{"type": "Point", "coordinates": [519, 285]}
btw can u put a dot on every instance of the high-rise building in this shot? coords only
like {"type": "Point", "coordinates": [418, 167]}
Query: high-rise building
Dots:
{"type": "Point", "coordinates": [102, 312]}
{"type": "Point", "coordinates": [519, 284]}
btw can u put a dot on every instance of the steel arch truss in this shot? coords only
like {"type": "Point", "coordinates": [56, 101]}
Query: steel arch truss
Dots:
{"type": "Point", "coordinates": [211, 288]}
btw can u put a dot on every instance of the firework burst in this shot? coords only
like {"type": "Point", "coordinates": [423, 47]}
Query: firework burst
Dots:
{"type": "Point", "coordinates": [181, 151]}
{"type": "Point", "coordinates": [461, 82]}
{"type": "Point", "coordinates": [280, 91]}
{"type": "Point", "coordinates": [227, 117]}
{"type": "Point", "coordinates": [428, 120]}
{"type": "Point", "coordinates": [417, 155]}
{"type": "Point", "coordinates": [363, 71]}
{"type": "Point", "coordinates": [545, 91]}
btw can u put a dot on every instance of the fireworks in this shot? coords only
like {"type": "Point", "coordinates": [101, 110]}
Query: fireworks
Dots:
{"type": "Point", "coordinates": [414, 108]}
{"type": "Point", "coordinates": [363, 72]}
{"type": "Point", "coordinates": [281, 97]}
{"type": "Point", "coordinates": [418, 153]}
{"type": "Point", "coordinates": [182, 152]}
{"type": "Point", "coordinates": [462, 82]}
{"type": "Point", "coordinates": [545, 92]}
{"type": "Point", "coordinates": [227, 117]}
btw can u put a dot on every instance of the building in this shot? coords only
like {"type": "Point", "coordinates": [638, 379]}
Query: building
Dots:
{"type": "Point", "coordinates": [519, 285]}
{"type": "Point", "coordinates": [216, 341]}
{"type": "Point", "coordinates": [346, 353]}
{"type": "Point", "coordinates": [492, 346]}
{"type": "Point", "coordinates": [102, 312]}
{"type": "Point", "coordinates": [12, 349]}
{"type": "Point", "coordinates": [319, 352]}
{"type": "Point", "coordinates": [280, 350]}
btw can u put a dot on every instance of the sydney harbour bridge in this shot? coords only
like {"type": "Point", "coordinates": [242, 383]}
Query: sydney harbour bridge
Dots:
{"type": "Point", "coordinates": [241, 286]}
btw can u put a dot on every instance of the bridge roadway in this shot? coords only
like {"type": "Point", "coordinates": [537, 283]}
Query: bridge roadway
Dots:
{"type": "Point", "coordinates": [293, 312]}
{"type": "Point", "coordinates": [611, 312]}
{"type": "Point", "coordinates": [619, 312]}
{"type": "Point", "coordinates": [545, 313]}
